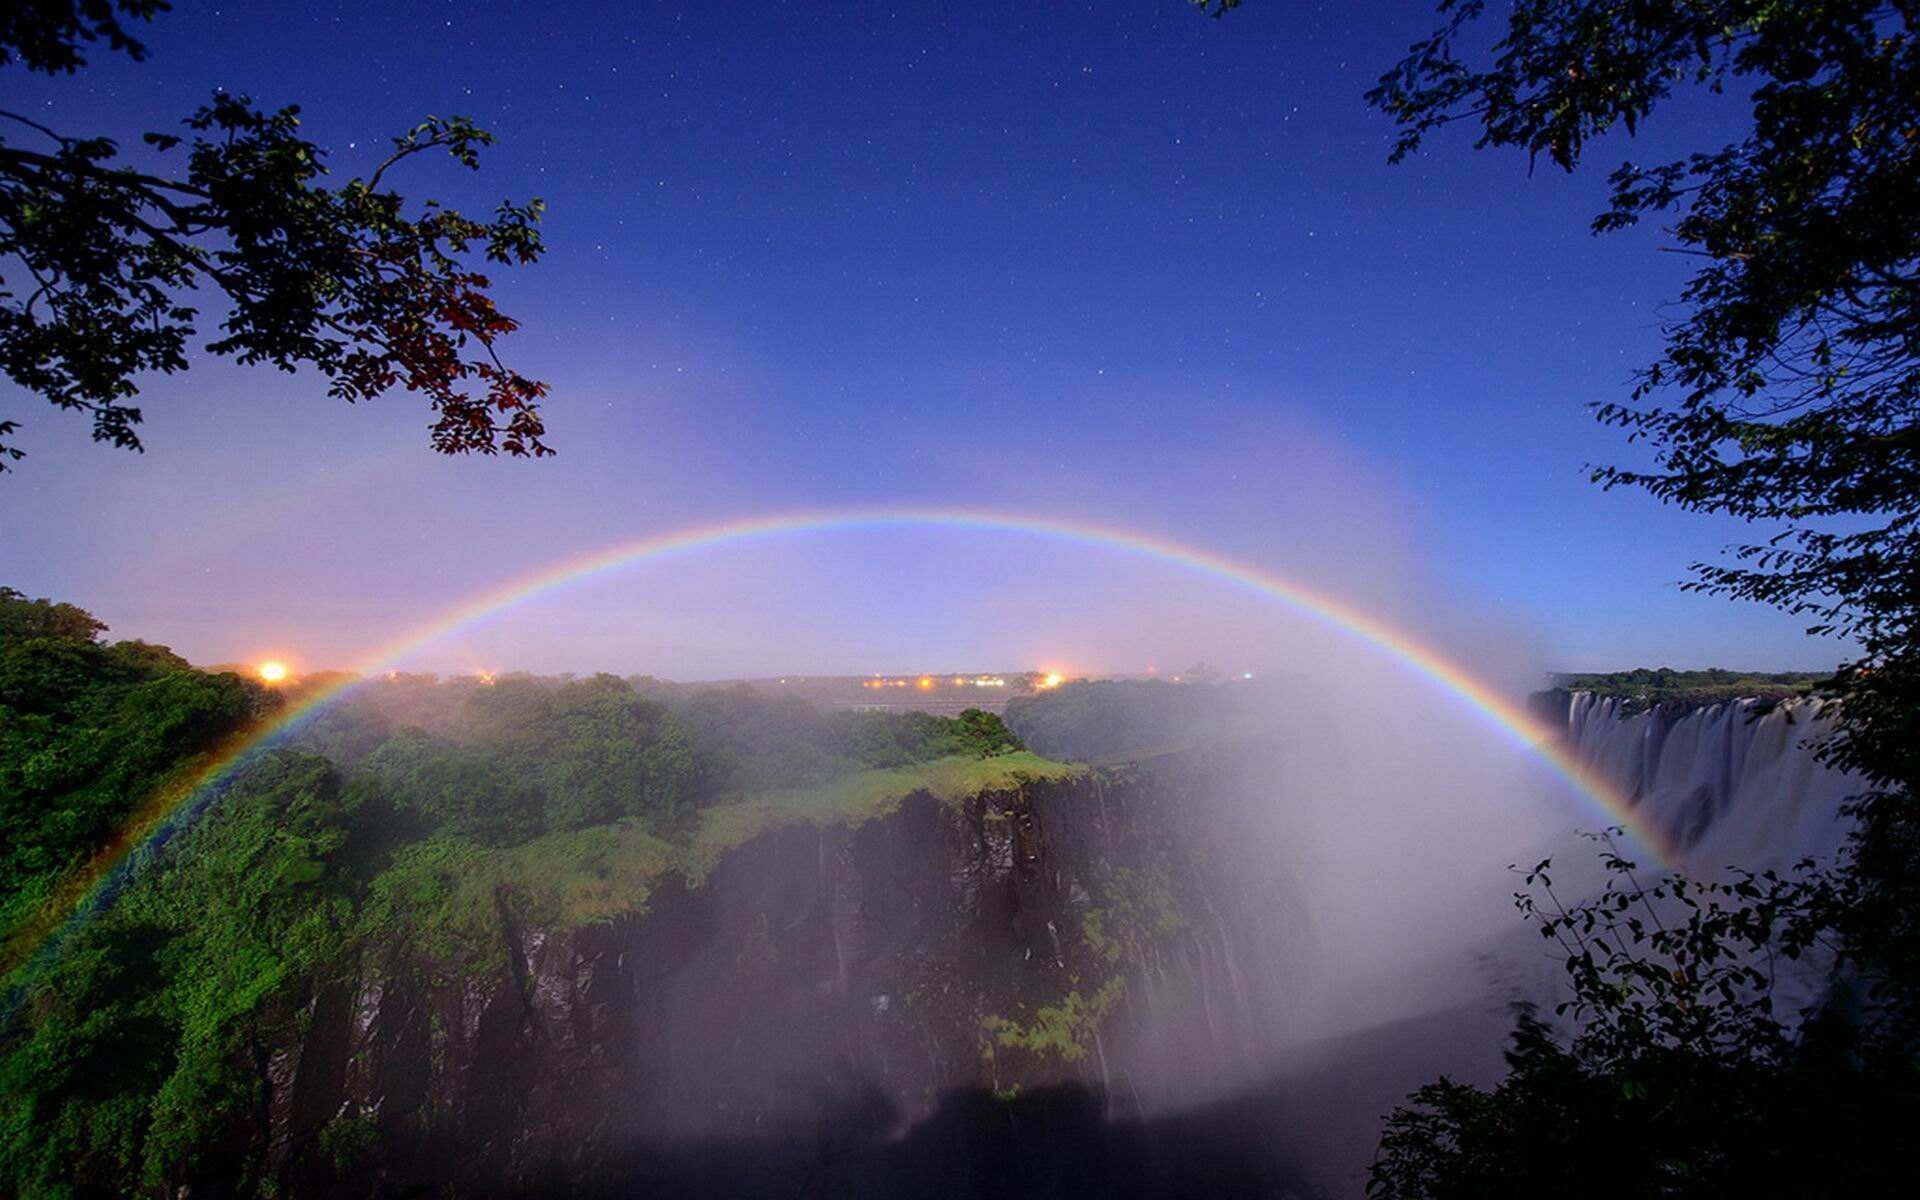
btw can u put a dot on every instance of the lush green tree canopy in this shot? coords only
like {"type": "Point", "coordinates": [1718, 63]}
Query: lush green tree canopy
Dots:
{"type": "Point", "coordinates": [1688, 1071]}
{"type": "Point", "coordinates": [22, 618]}
{"type": "Point", "coordinates": [87, 731]}
{"type": "Point", "coordinates": [140, 1042]}
{"type": "Point", "coordinates": [598, 750]}
{"type": "Point", "coordinates": [129, 1044]}
{"type": "Point", "coordinates": [104, 255]}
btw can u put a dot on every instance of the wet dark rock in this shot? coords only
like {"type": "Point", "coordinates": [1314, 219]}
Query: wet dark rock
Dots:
{"type": "Point", "coordinates": [810, 1019]}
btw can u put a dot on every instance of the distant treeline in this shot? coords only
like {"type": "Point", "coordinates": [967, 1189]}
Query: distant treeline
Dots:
{"type": "Point", "coordinates": [1106, 720]}
{"type": "Point", "coordinates": [93, 728]}
{"type": "Point", "coordinates": [1653, 685]}
{"type": "Point", "coordinates": [525, 754]}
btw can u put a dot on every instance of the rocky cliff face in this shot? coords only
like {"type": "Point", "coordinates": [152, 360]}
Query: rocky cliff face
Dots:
{"type": "Point", "coordinates": [821, 992]}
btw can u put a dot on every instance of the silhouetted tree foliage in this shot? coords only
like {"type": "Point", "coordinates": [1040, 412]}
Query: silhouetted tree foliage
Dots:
{"type": "Point", "coordinates": [1788, 394]}
{"type": "Point", "coordinates": [1698, 1064]}
{"type": "Point", "coordinates": [102, 256]}
{"type": "Point", "coordinates": [1789, 389]}
{"type": "Point", "coordinates": [52, 35]}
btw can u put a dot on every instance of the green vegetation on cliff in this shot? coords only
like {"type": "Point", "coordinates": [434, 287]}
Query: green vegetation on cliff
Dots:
{"type": "Point", "coordinates": [444, 891]}
{"type": "Point", "coordinates": [854, 798]}
{"type": "Point", "coordinates": [87, 731]}
{"type": "Point", "coordinates": [434, 811]}
{"type": "Point", "coordinates": [128, 1051]}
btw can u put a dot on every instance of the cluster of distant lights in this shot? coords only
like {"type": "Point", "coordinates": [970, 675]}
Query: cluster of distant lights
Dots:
{"type": "Point", "coordinates": [274, 671]}
{"type": "Point", "coordinates": [1043, 681]}
{"type": "Point", "coordinates": [927, 683]}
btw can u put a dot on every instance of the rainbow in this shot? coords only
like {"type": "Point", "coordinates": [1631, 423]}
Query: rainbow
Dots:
{"type": "Point", "coordinates": [176, 803]}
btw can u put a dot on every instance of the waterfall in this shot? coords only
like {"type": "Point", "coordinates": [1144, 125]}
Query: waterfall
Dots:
{"type": "Point", "coordinates": [1735, 783]}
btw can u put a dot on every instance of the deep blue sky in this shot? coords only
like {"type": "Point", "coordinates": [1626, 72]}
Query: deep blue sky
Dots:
{"type": "Point", "coordinates": [1112, 260]}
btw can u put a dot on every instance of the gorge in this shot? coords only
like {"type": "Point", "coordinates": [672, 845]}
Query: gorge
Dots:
{"type": "Point", "coordinates": [601, 936]}
{"type": "Point", "coordinates": [1062, 977]}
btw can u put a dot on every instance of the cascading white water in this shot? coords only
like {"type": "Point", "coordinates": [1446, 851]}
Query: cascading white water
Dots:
{"type": "Point", "coordinates": [1731, 784]}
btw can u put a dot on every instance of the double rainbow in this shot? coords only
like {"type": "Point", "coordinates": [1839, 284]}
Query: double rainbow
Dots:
{"type": "Point", "coordinates": [177, 802]}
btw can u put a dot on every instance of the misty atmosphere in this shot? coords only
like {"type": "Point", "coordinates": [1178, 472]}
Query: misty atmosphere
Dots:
{"type": "Point", "coordinates": [1169, 599]}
